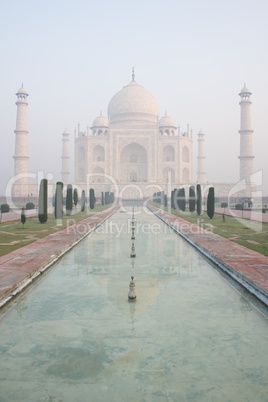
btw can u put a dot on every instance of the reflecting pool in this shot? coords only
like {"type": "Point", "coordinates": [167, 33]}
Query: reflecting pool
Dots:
{"type": "Point", "coordinates": [190, 335]}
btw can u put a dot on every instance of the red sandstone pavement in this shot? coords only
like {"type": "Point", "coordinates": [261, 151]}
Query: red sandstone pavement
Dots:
{"type": "Point", "coordinates": [20, 266]}
{"type": "Point", "coordinates": [248, 264]}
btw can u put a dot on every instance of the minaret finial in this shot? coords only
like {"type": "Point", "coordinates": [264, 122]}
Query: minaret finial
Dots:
{"type": "Point", "coordinates": [133, 74]}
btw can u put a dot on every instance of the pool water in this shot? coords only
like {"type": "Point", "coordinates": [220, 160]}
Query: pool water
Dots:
{"type": "Point", "coordinates": [190, 335]}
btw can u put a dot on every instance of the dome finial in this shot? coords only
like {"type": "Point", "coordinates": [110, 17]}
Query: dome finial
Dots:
{"type": "Point", "coordinates": [133, 74]}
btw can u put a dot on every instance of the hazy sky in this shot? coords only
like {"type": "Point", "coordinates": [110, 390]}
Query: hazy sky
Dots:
{"type": "Point", "coordinates": [193, 56]}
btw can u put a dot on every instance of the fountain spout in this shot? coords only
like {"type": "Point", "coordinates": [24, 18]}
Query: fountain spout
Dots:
{"type": "Point", "coordinates": [133, 251]}
{"type": "Point", "coordinates": [131, 294]}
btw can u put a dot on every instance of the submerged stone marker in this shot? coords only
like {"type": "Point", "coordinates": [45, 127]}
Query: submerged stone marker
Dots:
{"type": "Point", "coordinates": [131, 294]}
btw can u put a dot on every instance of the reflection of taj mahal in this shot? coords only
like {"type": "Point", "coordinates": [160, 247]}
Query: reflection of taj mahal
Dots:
{"type": "Point", "coordinates": [133, 149]}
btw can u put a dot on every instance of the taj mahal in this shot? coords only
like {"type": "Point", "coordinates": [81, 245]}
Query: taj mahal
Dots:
{"type": "Point", "coordinates": [132, 151]}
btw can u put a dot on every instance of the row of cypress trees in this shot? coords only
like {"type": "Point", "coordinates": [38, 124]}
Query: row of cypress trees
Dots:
{"type": "Point", "coordinates": [107, 198]}
{"type": "Point", "coordinates": [160, 197]}
{"type": "Point", "coordinates": [71, 198]}
{"type": "Point", "coordinates": [178, 199]}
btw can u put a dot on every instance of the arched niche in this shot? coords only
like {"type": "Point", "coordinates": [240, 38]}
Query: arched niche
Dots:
{"type": "Point", "coordinates": [98, 153]}
{"type": "Point", "coordinates": [98, 175]}
{"type": "Point", "coordinates": [186, 175]}
{"type": "Point", "coordinates": [168, 154]}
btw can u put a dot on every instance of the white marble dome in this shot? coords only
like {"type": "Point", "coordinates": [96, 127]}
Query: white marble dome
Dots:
{"type": "Point", "coordinates": [133, 103]}
{"type": "Point", "coordinates": [100, 121]}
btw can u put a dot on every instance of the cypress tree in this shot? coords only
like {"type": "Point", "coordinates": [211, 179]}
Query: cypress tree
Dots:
{"type": "Point", "coordinates": [69, 200]}
{"type": "Point", "coordinates": [172, 199]}
{"type": "Point", "coordinates": [198, 199]}
{"type": "Point", "coordinates": [75, 197]}
{"type": "Point", "coordinates": [42, 204]}
{"type": "Point", "coordinates": [102, 198]}
{"type": "Point", "coordinates": [29, 205]}
{"type": "Point", "coordinates": [23, 216]}
{"type": "Point", "coordinates": [176, 198]}
{"type": "Point", "coordinates": [165, 200]}
{"type": "Point", "coordinates": [91, 198]}
{"type": "Point", "coordinates": [83, 201]}
{"type": "Point", "coordinates": [181, 199]}
{"type": "Point", "coordinates": [191, 199]}
{"type": "Point", "coordinates": [211, 202]}
{"type": "Point", "coordinates": [59, 201]}
{"type": "Point", "coordinates": [4, 208]}
{"type": "Point", "coordinates": [106, 197]}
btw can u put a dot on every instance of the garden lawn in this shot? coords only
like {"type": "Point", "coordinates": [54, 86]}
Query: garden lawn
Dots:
{"type": "Point", "coordinates": [14, 234]}
{"type": "Point", "coordinates": [250, 234]}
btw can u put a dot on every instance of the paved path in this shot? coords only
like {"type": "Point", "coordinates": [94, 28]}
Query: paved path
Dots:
{"type": "Point", "coordinates": [242, 263]}
{"type": "Point", "coordinates": [20, 267]}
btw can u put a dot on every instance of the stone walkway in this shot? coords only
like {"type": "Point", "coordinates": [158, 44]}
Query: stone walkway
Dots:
{"type": "Point", "coordinates": [22, 266]}
{"type": "Point", "coordinates": [246, 266]}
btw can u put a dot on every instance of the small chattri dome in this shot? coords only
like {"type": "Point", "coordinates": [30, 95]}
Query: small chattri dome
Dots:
{"type": "Point", "coordinates": [166, 121]}
{"type": "Point", "coordinates": [100, 121]}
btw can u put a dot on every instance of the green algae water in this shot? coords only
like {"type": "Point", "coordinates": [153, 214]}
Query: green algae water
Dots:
{"type": "Point", "coordinates": [190, 336]}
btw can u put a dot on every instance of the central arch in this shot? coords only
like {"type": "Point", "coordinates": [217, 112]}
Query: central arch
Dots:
{"type": "Point", "coordinates": [133, 164]}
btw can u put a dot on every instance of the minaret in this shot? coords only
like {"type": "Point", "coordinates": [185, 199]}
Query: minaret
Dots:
{"type": "Point", "coordinates": [246, 149]}
{"type": "Point", "coordinates": [201, 159]}
{"type": "Point", "coordinates": [65, 170]}
{"type": "Point", "coordinates": [20, 187]}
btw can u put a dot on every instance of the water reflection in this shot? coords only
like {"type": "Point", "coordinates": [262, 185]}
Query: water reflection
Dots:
{"type": "Point", "coordinates": [188, 337]}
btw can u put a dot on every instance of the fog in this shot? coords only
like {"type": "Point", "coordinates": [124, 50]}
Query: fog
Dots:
{"type": "Point", "coordinates": [194, 57]}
